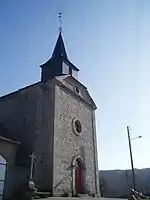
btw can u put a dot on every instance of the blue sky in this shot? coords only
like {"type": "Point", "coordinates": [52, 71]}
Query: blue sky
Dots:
{"type": "Point", "coordinates": [109, 40]}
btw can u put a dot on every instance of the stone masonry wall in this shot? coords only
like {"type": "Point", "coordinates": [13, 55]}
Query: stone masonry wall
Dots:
{"type": "Point", "coordinates": [43, 146]}
{"type": "Point", "coordinates": [67, 144]}
{"type": "Point", "coordinates": [18, 113]}
{"type": "Point", "coordinates": [29, 116]}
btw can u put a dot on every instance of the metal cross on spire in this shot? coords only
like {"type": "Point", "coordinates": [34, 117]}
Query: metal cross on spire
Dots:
{"type": "Point", "coordinates": [60, 22]}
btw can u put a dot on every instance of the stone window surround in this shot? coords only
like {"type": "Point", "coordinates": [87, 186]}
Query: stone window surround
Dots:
{"type": "Point", "coordinates": [74, 126]}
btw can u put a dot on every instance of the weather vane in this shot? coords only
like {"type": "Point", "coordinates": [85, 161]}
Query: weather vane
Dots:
{"type": "Point", "coordinates": [60, 22]}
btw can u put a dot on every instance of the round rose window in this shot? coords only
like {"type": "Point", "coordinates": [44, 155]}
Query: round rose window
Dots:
{"type": "Point", "coordinates": [77, 127]}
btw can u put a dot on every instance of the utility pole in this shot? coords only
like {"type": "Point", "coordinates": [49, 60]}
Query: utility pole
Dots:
{"type": "Point", "coordinates": [131, 157]}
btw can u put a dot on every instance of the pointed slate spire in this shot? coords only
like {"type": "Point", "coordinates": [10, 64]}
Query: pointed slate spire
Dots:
{"type": "Point", "coordinates": [59, 50]}
{"type": "Point", "coordinates": [58, 64]}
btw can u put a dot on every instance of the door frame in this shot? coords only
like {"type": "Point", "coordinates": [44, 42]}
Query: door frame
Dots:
{"type": "Point", "coordinates": [74, 192]}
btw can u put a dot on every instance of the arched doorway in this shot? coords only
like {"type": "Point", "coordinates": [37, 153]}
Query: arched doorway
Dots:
{"type": "Point", "coordinates": [2, 175]}
{"type": "Point", "coordinates": [79, 176]}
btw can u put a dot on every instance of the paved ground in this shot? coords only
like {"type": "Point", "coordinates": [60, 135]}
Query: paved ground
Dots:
{"type": "Point", "coordinates": [79, 198]}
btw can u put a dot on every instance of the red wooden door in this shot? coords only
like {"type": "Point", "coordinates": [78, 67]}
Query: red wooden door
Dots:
{"type": "Point", "coordinates": [79, 179]}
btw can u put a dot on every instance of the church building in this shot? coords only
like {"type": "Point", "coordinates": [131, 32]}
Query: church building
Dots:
{"type": "Point", "coordinates": [54, 119]}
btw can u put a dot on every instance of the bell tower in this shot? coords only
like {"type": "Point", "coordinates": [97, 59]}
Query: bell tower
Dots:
{"type": "Point", "coordinates": [58, 64]}
{"type": "Point", "coordinates": [69, 115]}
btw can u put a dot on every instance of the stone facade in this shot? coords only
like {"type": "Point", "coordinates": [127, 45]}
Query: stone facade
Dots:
{"type": "Point", "coordinates": [41, 117]}
{"type": "Point", "coordinates": [68, 144]}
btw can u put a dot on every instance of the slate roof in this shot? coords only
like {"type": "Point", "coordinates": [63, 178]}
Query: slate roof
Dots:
{"type": "Point", "coordinates": [59, 54]}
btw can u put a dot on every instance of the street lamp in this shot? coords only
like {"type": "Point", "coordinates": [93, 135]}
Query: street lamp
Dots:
{"type": "Point", "coordinates": [131, 157]}
{"type": "Point", "coordinates": [136, 137]}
